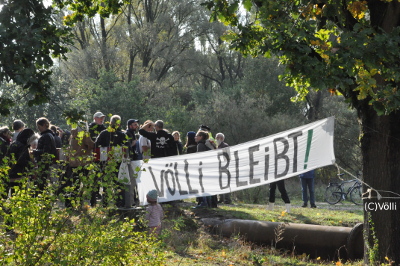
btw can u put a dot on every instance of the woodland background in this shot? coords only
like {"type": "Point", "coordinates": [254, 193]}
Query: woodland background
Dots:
{"type": "Point", "coordinates": [165, 60]}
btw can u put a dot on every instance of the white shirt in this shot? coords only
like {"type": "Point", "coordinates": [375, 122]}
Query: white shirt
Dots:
{"type": "Point", "coordinates": [15, 135]}
{"type": "Point", "coordinates": [143, 141]}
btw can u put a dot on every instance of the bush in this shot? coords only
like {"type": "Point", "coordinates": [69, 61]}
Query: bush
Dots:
{"type": "Point", "coordinates": [35, 230]}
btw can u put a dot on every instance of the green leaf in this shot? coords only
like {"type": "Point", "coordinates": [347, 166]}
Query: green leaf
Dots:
{"type": "Point", "coordinates": [379, 108]}
{"type": "Point", "coordinates": [247, 4]}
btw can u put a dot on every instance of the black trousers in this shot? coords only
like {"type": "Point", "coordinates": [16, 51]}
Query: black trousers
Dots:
{"type": "Point", "coordinates": [281, 187]}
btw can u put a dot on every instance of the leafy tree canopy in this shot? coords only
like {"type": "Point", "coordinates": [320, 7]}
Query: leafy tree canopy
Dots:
{"type": "Point", "coordinates": [348, 47]}
{"type": "Point", "coordinates": [28, 40]}
{"type": "Point", "coordinates": [90, 8]}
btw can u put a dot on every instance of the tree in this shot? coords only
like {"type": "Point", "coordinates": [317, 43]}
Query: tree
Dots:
{"type": "Point", "coordinates": [350, 48]}
{"type": "Point", "coordinates": [217, 62]}
{"type": "Point", "coordinates": [28, 40]}
{"type": "Point", "coordinates": [160, 35]}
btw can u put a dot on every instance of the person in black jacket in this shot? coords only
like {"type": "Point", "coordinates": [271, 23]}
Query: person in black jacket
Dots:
{"type": "Point", "coordinates": [45, 152]}
{"type": "Point", "coordinates": [206, 201]}
{"type": "Point", "coordinates": [113, 135]}
{"type": "Point", "coordinates": [162, 143]}
{"type": "Point", "coordinates": [220, 139]}
{"type": "Point", "coordinates": [18, 126]}
{"type": "Point", "coordinates": [5, 141]}
{"type": "Point", "coordinates": [178, 143]}
{"type": "Point", "coordinates": [97, 126]}
{"type": "Point", "coordinates": [191, 145]}
{"type": "Point", "coordinates": [135, 161]}
{"type": "Point", "coordinates": [201, 138]}
{"type": "Point", "coordinates": [21, 163]}
{"type": "Point", "coordinates": [20, 150]}
{"type": "Point", "coordinates": [108, 138]}
{"type": "Point", "coordinates": [56, 136]}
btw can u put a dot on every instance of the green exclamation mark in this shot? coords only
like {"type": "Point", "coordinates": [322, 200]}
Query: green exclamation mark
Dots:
{"type": "Point", "coordinates": [309, 138]}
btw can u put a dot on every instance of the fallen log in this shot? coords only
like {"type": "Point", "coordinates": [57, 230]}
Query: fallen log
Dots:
{"type": "Point", "coordinates": [326, 242]}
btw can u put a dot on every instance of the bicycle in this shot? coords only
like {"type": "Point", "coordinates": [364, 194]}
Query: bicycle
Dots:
{"type": "Point", "coordinates": [335, 192]}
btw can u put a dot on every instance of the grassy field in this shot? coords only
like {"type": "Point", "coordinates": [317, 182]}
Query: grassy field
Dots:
{"type": "Point", "coordinates": [186, 239]}
{"type": "Point", "coordinates": [188, 242]}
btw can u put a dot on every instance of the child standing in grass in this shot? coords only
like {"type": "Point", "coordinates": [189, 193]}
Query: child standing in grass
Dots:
{"type": "Point", "coordinates": [154, 213]}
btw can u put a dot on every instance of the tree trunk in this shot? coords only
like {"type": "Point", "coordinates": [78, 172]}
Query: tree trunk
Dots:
{"type": "Point", "coordinates": [380, 146]}
{"type": "Point", "coordinates": [132, 57]}
{"type": "Point", "coordinates": [104, 50]}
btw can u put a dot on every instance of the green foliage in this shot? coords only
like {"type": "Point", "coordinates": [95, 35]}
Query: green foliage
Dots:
{"type": "Point", "coordinates": [114, 96]}
{"type": "Point", "coordinates": [329, 44]}
{"type": "Point", "coordinates": [372, 244]}
{"type": "Point", "coordinates": [60, 98]}
{"type": "Point", "coordinates": [36, 231]}
{"type": "Point", "coordinates": [73, 116]}
{"type": "Point", "coordinates": [28, 40]}
{"type": "Point", "coordinates": [80, 9]}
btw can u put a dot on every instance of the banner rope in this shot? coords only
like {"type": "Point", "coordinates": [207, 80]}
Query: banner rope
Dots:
{"type": "Point", "coordinates": [368, 193]}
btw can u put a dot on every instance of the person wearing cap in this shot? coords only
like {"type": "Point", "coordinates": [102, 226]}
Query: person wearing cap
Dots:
{"type": "Point", "coordinates": [97, 125]}
{"type": "Point", "coordinates": [95, 128]}
{"type": "Point", "coordinates": [191, 145]}
{"type": "Point", "coordinates": [135, 161]}
{"type": "Point", "coordinates": [154, 213]}
{"type": "Point", "coordinates": [18, 126]}
{"type": "Point", "coordinates": [113, 138]}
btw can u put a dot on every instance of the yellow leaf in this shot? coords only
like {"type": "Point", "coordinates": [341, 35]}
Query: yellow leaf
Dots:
{"type": "Point", "coordinates": [373, 72]}
{"type": "Point", "coordinates": [358, 8]}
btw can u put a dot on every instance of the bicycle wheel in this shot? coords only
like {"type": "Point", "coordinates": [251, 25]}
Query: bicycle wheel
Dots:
{"type": "Point", "coordinates": [333, 193]}
{"type": "Point", "coordinates": [356, 195]}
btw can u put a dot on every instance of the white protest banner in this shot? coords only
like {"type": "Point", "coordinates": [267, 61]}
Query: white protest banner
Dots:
{"type": "Point", "coordinates": [242, 166]}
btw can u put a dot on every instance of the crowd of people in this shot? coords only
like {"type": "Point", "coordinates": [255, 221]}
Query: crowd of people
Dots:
{"type": "Point", "coordinates": [99, 141]}
{"type": "Point", "coordinates": [25, 150]}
